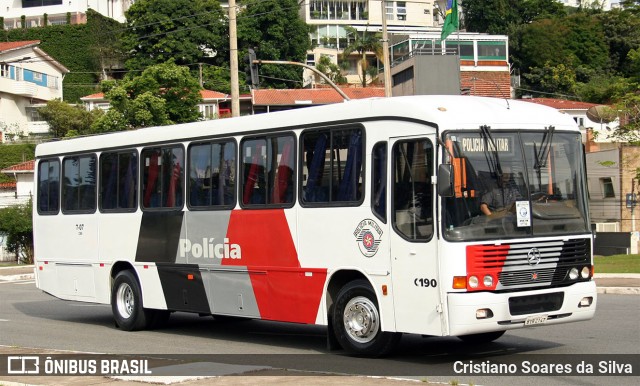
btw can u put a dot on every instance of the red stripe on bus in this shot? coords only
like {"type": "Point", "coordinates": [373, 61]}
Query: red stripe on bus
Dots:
{"type": "Point", "coordinates": [284, 291]}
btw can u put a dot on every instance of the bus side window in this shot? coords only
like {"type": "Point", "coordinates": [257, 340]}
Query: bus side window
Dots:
{"type": "Point", "coordinates": [268, 170]}
{"type": "Point", "coordinates": [412, 212]}
{"type": "Point", "coordinates": [48, 186]}
{"type": "Point", "coordinates": [333, 160]}
{"type": "Point", "coordinates": [118, 181]}
{"type": "Point", "coordinates": [212, 174]}
{"type": "Point", "coordinates": [79, 188]}
{"type": "Point", "coordinates": [379, 181]}
{"type": "Point", "coordinates": [162, 182]}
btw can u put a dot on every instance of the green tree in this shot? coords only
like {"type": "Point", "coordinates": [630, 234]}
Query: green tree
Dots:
{"type": "Point", "coordinates": [187, 31]}
{"type": "Point", "coordinates": [163, 94]}
{"type": "Point", "coordinates": [66, 120]}
{"type": "Point", "coordinates": [502, 16]}
{"type": "Point", "coordinates": [274, 29]}
{"type": "Point", "coordinates": [106, 45]}
{"type": "Point", "coordinates": [16, 223]}
{"type": "Point", "coordinates": [362, 43]}
{"type": "Point", "coordinates": [331, 70]}
{"type": "Point", "coordinates": [622, 34]}
{"type": "Point", "coordinates": [629, 107]}
{"type": "Point", "coordinates": [559, 79]}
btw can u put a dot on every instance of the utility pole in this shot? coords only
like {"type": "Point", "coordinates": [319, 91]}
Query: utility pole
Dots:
{"type": "Point", "coordinates": [386, 66]}
{"type": "Point", "coordinates": [233, 60]}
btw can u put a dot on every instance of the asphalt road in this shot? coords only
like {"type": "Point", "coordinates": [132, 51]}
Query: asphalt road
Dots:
{"type": "Point", "coordinates": [32, 319]}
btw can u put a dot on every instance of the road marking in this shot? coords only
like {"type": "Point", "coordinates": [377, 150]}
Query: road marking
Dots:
{"type": "Point", "coordinates": [4, 320]}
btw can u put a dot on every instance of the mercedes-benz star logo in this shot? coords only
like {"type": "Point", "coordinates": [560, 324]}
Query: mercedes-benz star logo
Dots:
{"type": "Point", "coordinates": [533, 257]}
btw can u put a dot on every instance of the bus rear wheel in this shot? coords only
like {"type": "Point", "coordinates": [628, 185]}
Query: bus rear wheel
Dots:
{"type": "Point", "coordinates": [356, 322]}
{"type": "Point", "coordinates": [126, 303]}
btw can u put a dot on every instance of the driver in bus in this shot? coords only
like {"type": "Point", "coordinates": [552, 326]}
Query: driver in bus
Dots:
{"type": "Point", "coordinates": [501, 198]}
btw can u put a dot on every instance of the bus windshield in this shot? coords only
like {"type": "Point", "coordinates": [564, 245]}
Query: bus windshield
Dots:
{"type": "Point", "coordinates": [514, 184]}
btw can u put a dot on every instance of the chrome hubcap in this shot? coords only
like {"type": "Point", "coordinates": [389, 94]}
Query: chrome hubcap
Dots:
{"type": "Point", "coordinates": [125, 301]}
{"type": "Point", "coordinates": [361, 319]}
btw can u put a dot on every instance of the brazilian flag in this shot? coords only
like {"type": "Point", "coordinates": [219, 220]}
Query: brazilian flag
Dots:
{"type": "Point", "coordinates": [451, 22]}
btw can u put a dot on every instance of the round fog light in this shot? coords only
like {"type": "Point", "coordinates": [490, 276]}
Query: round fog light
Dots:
{"type": "Point", "coordinates": [488, 281]}
{"type": "Point", "coordinates": [573, 274]}
{"type": "Point", "coordinates": [473, 282]}
{"type": "Point", "coordinates": [585, 272]}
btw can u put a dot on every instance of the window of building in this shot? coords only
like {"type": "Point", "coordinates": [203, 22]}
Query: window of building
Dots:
{"type": "Point", "coordinates": [79, 184]}
{"type": "Point", "coordinates": [403, 76]}
{"type": "Point", "coordinates": [379, 181]}
{"type": "Point", "coordinates": [4, 70]}
{"type": "Point", "coordinates": [412, 197]}
{"type": "Point", "coordinates": [118, 181]}
{"type": "Point", "coordinates": [332, 166]}
{"type": "Point", "coordinates": [607, 187]}
{"type": "Point", "coordinates": [492, 50]}
{"type": "Point", "coordinates": [48, 186]}
{"type": "Point", "coordinates": [268, 170]}
{"type": "Point", "coordinates": [32, 113]}
{"type": "Point", "coordinates": [212, 175]}
{"type": "Point", "coordinates": [39, 3]}
{"type": "Point", "coordinates": [162, 177]}
{"type": "Point", "coordinates": [388, 7]}
{"type": "Point", "coordinates": [208, 111]}
{"type": "Point", "coordinates": [401, 10]}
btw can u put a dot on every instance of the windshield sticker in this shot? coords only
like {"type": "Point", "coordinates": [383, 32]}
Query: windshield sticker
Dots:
{"type": "Point", "coordinates": [368, 235]}
{"type": "Point", "coordinates": [523, 214]}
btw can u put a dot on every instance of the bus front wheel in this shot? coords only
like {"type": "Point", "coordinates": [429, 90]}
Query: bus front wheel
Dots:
{"type": "Point", "coordinates": [126, 303]}
{"type": "Point", "coordinates": [356, 322]}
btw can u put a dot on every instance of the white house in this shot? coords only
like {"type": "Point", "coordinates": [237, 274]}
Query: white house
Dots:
{"type": "Point", "coordinates": [59, 11]}
{"type": "Point", "coordinates": [20, 191]}
{"type": "Point", "coordinates": [29, 77]}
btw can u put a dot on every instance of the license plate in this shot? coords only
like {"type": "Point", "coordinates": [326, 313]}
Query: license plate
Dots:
{"type": "Point", "coordinates": [533, 320]}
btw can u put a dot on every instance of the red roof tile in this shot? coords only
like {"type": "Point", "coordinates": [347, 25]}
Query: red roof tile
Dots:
{"type": "Point", "coordinates": [316, 96]}
{"type": "Point", "coordinates": [489, 84]}
{"type": "Point", "coordinates": [21, 167]}
{"type": "Point", "coordinates": [8, 46]}
{"type": "Point", "coordinates": [561, 104]}
{"type": "Point", "coordinates": [11, 185]}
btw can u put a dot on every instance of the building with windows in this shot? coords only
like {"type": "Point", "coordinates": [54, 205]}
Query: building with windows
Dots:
{"type": "Point", "coordinates": [29, 77]}
{"type": "Point", "coordinates": [329, 18]}
{"type": "Point", "coordinates": [38, 13]}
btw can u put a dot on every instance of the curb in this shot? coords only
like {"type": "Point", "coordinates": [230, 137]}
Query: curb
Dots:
{"type": "Point", "coordinates": [619, 290]}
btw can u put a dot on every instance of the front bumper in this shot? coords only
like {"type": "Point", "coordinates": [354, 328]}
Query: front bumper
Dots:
{"type": "Point", "coordinates": [463, 306]}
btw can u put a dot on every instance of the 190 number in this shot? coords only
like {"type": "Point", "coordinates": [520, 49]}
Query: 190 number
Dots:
{"type": "Point", "coordinates": [424, 282]}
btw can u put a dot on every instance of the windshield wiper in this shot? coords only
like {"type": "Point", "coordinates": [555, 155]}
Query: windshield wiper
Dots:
{"type": "Point", "coordinates": [545, 147]}
{"type": "Point", "coordinates": [491, 151]}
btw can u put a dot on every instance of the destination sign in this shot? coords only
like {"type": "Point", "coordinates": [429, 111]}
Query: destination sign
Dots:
{"type": "Point", "coordinates": [479, 145]}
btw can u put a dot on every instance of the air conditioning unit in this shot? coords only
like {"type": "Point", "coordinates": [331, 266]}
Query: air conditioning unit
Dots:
{"type": "Point", "coordinates": [607, 227]}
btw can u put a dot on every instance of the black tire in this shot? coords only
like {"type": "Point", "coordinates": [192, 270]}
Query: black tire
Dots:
{"type": "Point", "coordinates": [126, 303]}
{"type": "Point", "coordinates": [356, 322]}
{"type": "Point", "coordinates": [484, 337]}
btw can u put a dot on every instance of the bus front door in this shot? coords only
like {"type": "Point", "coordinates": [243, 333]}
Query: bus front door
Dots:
{"type": "Point", "coordinates": [414, 261]}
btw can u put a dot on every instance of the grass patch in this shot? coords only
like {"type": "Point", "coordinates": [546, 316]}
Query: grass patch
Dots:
{"type": "Point", "coordinates": [617, 264]}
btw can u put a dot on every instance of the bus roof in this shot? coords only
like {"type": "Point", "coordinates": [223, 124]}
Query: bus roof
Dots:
{"type": "Point", "coordinates": [447, 112]}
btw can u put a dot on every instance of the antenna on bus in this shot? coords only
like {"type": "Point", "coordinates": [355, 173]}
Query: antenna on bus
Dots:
{"type": "Point", "coordinates": [497, 88]}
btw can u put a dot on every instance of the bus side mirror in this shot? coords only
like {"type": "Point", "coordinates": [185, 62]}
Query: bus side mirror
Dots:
{"type": "Point", "coordinates": [445, 180]}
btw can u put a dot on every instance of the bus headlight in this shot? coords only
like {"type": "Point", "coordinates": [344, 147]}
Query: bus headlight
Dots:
{"type": "Point", "coordinates": [473, 281]}
{"type": "Point", "coordinates": [573, 274]}
{"type": "Point", "coordinates": [585, 272]}
{"type": "Point", "coordinates": [487, 281]}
